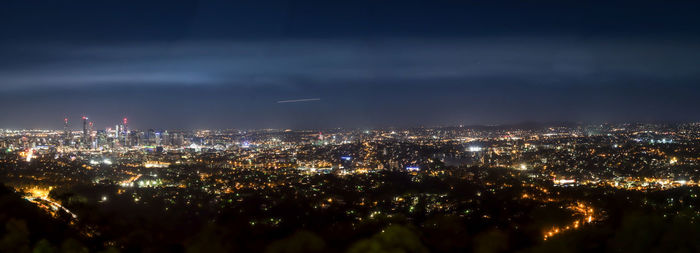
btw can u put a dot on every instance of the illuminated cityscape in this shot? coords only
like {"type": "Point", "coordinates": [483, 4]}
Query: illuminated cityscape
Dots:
{"type": "Point", "coordinates": [528, 185]}
{"type": "Point", "coordinates": [363, 126]}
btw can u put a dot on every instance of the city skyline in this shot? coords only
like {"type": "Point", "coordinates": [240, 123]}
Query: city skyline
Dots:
{"type": "Point", "coordinates": [70, 125]}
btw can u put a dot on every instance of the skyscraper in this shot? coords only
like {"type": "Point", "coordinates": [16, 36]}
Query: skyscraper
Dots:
{"type": "Point", "coordinates": [85, 131]}
{"type": "Point", "coordinates": [66, 134]}
{"type": "Point", "coordinates": [91, 142]}
{"type": "Point", "coordinates": [125, 132]}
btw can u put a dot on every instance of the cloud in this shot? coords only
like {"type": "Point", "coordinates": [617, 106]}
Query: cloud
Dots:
{"type": "Point", "coordinates": [556, 61]}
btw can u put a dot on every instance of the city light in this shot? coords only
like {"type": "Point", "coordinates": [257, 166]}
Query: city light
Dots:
{"type": "Point", "coordinates": [530, 169]}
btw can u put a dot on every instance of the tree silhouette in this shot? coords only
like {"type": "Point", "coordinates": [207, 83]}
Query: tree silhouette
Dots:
{"type": "Point", "coordinates": [394, 239]}
{"type": "Point", "coordinates": [300, 241]}
{"type": "Point", "coordinates": [16, 238]}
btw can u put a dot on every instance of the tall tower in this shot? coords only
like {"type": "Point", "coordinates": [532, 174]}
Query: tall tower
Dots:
{"type": "Point", "coordinates": [126, 132]}
{"type": "Point", "coordinates": [90, 139]}
{"type": "Point", "coordinates": [66, 134]}
{"type": "Point", "coordinates": [85, 131]}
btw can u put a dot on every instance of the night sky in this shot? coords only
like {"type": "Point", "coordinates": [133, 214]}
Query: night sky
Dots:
{"type": "Point", "coordinates": [208, 64]}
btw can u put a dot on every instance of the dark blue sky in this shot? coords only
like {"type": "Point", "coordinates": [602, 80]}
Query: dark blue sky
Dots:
{"type": "Point", "coordinates": [187, 64]}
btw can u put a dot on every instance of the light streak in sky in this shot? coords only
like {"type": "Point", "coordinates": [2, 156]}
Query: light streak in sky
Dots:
{"type": "Point", "coordinates": [298, 100]}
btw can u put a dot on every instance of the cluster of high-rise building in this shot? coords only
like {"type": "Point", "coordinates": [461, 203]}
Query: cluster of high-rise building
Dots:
{"type": "Point", "coordinates": [90, 138]}
{"type": "Point", "coordinates": [121, 136]}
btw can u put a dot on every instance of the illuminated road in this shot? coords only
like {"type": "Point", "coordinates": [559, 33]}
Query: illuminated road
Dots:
{"type": "Point", "coordinates": [581, 210]}
{"type": "Point", "coordinates": [40, 197]}
{"type": "Point", "coordinates": [51, 206]}
{"type": "Point", "coordinates": [130, 182]}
